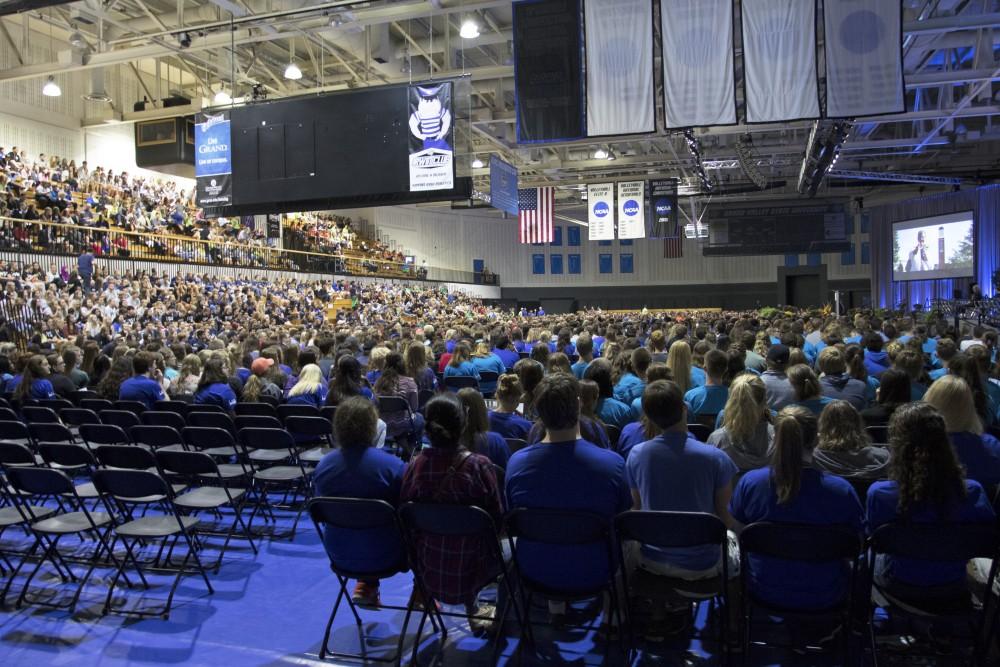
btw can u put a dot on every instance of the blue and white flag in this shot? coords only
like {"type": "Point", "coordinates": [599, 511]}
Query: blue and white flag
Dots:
{"type": "Point", "coordinates": [631, 210]}
{"type": "Point", "coordinates": [601, 212]}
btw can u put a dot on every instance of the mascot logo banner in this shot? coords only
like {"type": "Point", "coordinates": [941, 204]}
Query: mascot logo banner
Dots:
{"type": "Point", "coordinates": [432, 153]}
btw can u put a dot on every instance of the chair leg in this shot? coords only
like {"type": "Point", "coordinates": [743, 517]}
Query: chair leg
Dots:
{"type": "Point", "coordinates": [329, 623]}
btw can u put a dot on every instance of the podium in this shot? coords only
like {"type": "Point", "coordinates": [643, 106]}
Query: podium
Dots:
{"type": "Point", "coordinates": [336, 306]}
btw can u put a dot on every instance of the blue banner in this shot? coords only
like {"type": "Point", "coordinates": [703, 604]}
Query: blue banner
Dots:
{"type": "Point", "coordinates": [503, 185]}
{"type": "Point", "coordinates": [213, 163]}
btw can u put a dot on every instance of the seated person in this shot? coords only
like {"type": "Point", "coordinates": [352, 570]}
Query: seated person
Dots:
{"type": "Point", "coordinates": [843, 447]}
{"type": "Point", "coordinates": [808, 393]}
{"type": "Point", "coordinates": [835, 383]}
{"type": "Point", "coordinates": [893, 391]}
{"type": "Point", "coordinates": [213, 388]}
{"type": "Point", "coordinates": [633, 381]}
{"type": "Point", "coordinates": [708, 400]}
{"type": "Point", "coordinates": [978, 452]}
{"type": "Point", "coordinates": [746, 435]}
{"type": "Point", "coordinates": [142, 387]}
{"type": "Point", "coordinates": [504, 419]}
{"type": "Point", "coordinates": [611, 411]}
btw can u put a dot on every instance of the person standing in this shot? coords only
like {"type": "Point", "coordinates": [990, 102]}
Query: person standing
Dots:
{"type": "Point", "coordinates": [85, 267]}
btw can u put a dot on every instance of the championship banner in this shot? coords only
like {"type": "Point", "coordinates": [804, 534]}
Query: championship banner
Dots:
{"type": "Point", "coordinates": [213, 161]}
{"type": "Point", "coordinates": [631, 214]}
{"type": "Point", "coordinates": [432, 155]}
{"type": "Point", "coordinates": [779, 60]}
{"type": "Point", "coordinates": [601, 212]}
{"type": "Point", "coordinates": [503, 185]}
{"type": "Point", "coordinates": [619, 38]}
{"type": "Point", "coordinates": [663, 209]}
{"type": "Point", "coordinates": [864, 58]}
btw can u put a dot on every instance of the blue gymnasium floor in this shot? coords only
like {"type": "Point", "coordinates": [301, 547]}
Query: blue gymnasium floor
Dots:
{"type": "Point", "coordinates": [271, 609]}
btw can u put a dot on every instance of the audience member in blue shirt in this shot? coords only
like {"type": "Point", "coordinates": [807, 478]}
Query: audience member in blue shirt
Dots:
{"type": "Point", "coordinates": [977, 451]}
{"type": "Point", "coordinates": [807, 389]}
{"type": "Point", "coordinates": [34, 382]}
{"type": "Point", "coordinates": [310, 388]}
{"type": "Point", "coordinates": [926, 486]}
{"type": "Point", "coordinates": [675, 473]}
{"type": "Point", "coordinates": [565, 472]}
{"type": "Point", "coordinates": [791, 491]}
{"type": "Point", "coordinates": [585, 349]}
{"type": "Point", "coordinates": [876, 361]}
{"type": "Point", "coordinates": [502, 350]}
{"type": "Point", "coordinates": [611, 411]}
{"type": "Point", "coordinates": [460, 364]}
{"type": "Point", "coordinates": [633, 381]}
{"type": "Point", "coordinates": [141, 387]}
{"type": "Point", "coordinates": [835, 382]}
{"type": "Point", "coordinates": [504, 419]}
{"type": "Point", "coordinates": [477, 437]}
{"type": "Point", "coordinates": [484, 360]}
{"type": "Point", "coordinates": [710, 399]}
{"type": "Point", "coordinates": [213, 388]}
{"type": "Point", "coordinates": [357, 470]}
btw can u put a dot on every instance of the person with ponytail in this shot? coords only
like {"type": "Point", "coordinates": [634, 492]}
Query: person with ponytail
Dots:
{"type": "Point", "coordinates": [394, 382]}
{"type": "Point", "coordinates": [746, 434]}
{"type": "Point", "coordinates": [808, 392]}
{"type": "Point", "coordinates": [477, 436]}
{"type": "Point", "coordinates": [792, 491]}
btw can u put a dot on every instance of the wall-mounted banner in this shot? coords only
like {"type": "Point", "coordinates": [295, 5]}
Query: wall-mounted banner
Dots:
{"type": "Point", "coordinates": [432, 155]}
{"type": "Point", "coordinates": [663, 209]}
{"type": "Point", "coordinates": [274, 225]}
{"type": "Point", "coordinates": [601, 212]}
{"type": "Point", "coordinates": [631, 210]}
{"type": "Point", "coordinates": [213, 161]}
{"type": "Point", "coordinates": [503, 185]}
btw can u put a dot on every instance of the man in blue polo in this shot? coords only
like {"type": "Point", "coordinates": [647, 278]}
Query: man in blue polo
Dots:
{"type": "Point", "coordinates": [85, 267]}
{"type": "Point", "coordinates": [141, 386]}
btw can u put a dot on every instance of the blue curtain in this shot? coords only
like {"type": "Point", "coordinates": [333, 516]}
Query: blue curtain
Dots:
{"type": "Point", "coordinates": [984, 202]}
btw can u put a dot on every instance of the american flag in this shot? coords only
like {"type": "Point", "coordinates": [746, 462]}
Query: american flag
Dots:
{"type": "Point", "coordinates": [534, 213]}
{"type": "Point", "coordinates": [673, 248]}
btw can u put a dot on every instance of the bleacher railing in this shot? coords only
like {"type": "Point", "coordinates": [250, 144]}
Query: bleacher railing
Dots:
{"type": "Point", "coordinates": [50, 238]}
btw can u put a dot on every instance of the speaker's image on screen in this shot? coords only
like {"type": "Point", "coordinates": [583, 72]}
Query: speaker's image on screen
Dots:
{"type": "Point", "coordinates": [934, 248]}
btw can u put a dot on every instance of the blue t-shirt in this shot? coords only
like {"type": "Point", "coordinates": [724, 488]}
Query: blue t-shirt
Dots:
{"type": "Point", "coordinates": [494, 448]}
{"type": "Point", "coordinates": [613, 412]}
{"type": "Point", "coordinates": [579, 368]}
{"type": "Point", "coordinates": [464, 369]}
{"type": "Point", "coordinates": [823, 499]}
{"type": "Point", "coordinates": [507, 357]}
{"type": "Point", "coordinates": [629, 388]}
{"type": "Point", "coordinates": [707, 400]}
{"type": "Point", "coordinates": [361, 473]}
{"type": "Point", "coordinates": [490, 363]}
{"type": "Point", "coordinates": [883, 507]}
{"type": "Point", "coordinates": [315, 398]}
{"type": "Point", "coordinates": [509, 425]}
{"type": "Point", "coordinates": [980, 454]}
{"type": "Point", "coordinates": [631, 435]}
{"type": "Point", "coordinates": [220, 394]}
{"type": "Point", "coordinates": [40, 389]}
{"type": "Point", "coordinates": [698, 377]}
{"type": "Point", "coordinates": [140, 388]}
{"type": "Point", "coordinates": [676, 473]}
{"type": "Point", "coordinates": [574, 475]}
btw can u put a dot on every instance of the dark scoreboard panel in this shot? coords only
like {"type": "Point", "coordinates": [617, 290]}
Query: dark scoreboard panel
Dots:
{"type": "Point", "coordinates": [777, 230]}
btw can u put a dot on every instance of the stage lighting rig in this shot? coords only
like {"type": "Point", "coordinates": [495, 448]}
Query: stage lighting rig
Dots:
{"type": "Point", "coordinates": [694, 147]}
{"type": "Point", "coordinates": [748, 161]}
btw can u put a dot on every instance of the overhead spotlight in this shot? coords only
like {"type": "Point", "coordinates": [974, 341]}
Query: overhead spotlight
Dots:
{"type": "Point", "coordinates": [51, 88]}
{"type": "Point", "coordinates": [600, 154]}
{"type": "Point", "coordinates": [293, 72]}
{"type": "Point", "coordinates": [477, 164]}
{"type": "Point", "coordinates": [76, 39]}
{"type": "Point", "coordinates": [222, 98]}
{"type": "Point", "coordinates": [469, 30]}
{"type": "Point", "coordinates": [184, 39]}
{"type": "Point", "coordinates": [336, 20]}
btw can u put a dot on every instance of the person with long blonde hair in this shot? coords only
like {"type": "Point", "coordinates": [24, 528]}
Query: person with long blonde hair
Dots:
{"type": "Point", "coordinates": [978, 451]}
{"type": "Point", "coordinates": [310, 389]}
{"type": "Point", "coordinates": [746, 435]}
{"type": "Point", "coordinates": [187, 382]}
{"type": "Point", "coordinates": [679, 363]}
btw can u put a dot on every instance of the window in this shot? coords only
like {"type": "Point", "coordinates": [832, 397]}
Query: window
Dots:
{"type": "Point", "coordinates": [866, 223]}
{"type": "Point", "coordinates": [624, 241]}
{"type": "Point", "coordinates": [814, 259]}
{"type": "Point", "coordinates": [625, 263]}
{"type": "Point", "coordinates": [847, 258]}
{"type": "Point", "coordinates": [604, 262]}
{"type": "Point", "coordinates": [604, 243]}
{"type": "Point", "coordinates": [849, 225]}
{"type": "Point", "coordinates": [555, 265]}
{"type": "Point", "coordinates": [538, 264]}
{"type": "Point", "coordinates": [791, 261]}
{"type": "Point", "coordinates": [575, 264]}
{"type": "Point", "coordinates": [556, 236]}
{"type": "Point", "coordinates": [866, 252]}
{"type": "Point", "coordinates": [573, 236]}
{"type": "Point", "coordinates": [156, 132]}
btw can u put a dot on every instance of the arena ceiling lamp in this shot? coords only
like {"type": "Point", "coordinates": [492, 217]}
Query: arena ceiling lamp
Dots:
{"type": "Point", "coordinates": [292, 72]}
{"type": "Point", "coordinates": [600, 154]}
{"type": "Point", "coordinates": [477, 164]}
{"type": "Point", "coordinates": [51, 88]}
{"type": "Point", "coordinates": [222, 98]}
{"type": "Point", "coordinates": [470, 29]}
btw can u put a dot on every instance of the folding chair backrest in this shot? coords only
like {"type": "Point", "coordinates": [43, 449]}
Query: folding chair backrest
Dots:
{"type": "Point", "coordinates": [163, 418]}
{"type": "Point", "coordinates": [135, 407]}
{"type": "Point", "coordinates": [78, 416]}
{"type": "Point", "coordinates": [4, 403]}
{"type": "Point", "coordinates": [456, 382]}
{"type": "Point", "coordinates": [104, 434]}
{"type": "Point", "coordinates": [878, 434]}
{"type": "Point", "coordinates": [515, 444]}
{"type": "Point", "coordinates": [156, 436]}
{"type": "Point", "coordinates": [267, 438]}
{"type": "Point", "coordinates": [328, 412]}
{"type": "Point", "coordinates": [129, 457]}
{"type": "Point", "coordinates": [937, 542]}
{"type": "Point", "coordinates": [122, 418]}
{"type": "Point", "coordinates": [50, 433]}
{"type": "Point", "coordinates": [800, 542]}
{"type": "Point", "coordinates": [96, 404]}
{"type": "Point", "coordinates": [309, 426]}
{"type": "Point", "coordinates": [57, 405]}
{"type": "Point", "coordinates": [40, 481]}
{"type": "Point", "coordinates": [423, 396]}
{"type": "Point", "coordinates": [13, 430]}
{"type": "Point", "coordinates": [15, 454]}
{"type": "Point", "coordinates": [130, 484]}
{"type": "Point", "coordinates": [212, 420]}
{"type": "Point", "coordinates": [178, 407]}
{"type": "Point", "coordinates": [700, 431]}
{"type": "Point", "coordinates": [206, 437]}
{"type": "Point", "coordinates": [565, 527]}
{"type": "Point", "coordinates": [186, 463]}
{"type": "Point", "coordinates": [256, 409]}
{"type": "Point", "coordinates": [614, 434]}
{"type": "Point", "coordinates": [295, 410]}
{"type": "Point", "coordinates": [369, 519]}
{"type": "Point", "coordinates": [34, 414]}
{"type": "Point", "coordinates": [257, 421]}
{"type": "Point", "coordinates": [447, 520]}
{"type": "Point", "coordinates": [7, 414]}
{"type": "Point", "coordinates": [670, 529]}
{"type": "Point", "coordinates": [390, 405]}
{"type": "Point", "coordinates": [203, 407]}
{"type": "Point", "coordinates": [79, 395]}
{"type": "Point", "coordinates": [488, 376]}
{"type": "Point", "coordinates": [65, 454]}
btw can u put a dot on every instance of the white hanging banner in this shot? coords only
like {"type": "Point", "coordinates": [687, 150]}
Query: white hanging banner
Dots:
{"type": "Point", "coordinates": [698, 77]}
{"type": "Point", "coordinates": [601, 212]}
{"type": "Point", "coordinates": [779, 60]}
{"type": "Point", "coordinates": [864, 57]}
{"type": "Point", "coordinates": [619, 48]}
{"type": "Point", "coordinates": [631, 210]}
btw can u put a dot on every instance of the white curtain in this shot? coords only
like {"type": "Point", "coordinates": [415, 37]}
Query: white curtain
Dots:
{"type": "Point", "coordinates": [779, 60]}
{"type": "Point", "coordinates": [864, 60]}
{"type": "Point", "coordinates": [619, 48]}
{"type": "Point", "coordinates": [698, 77]}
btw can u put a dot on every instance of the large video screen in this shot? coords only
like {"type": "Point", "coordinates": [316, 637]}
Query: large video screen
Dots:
{"type": "Point", "coordinates": [931, 248]}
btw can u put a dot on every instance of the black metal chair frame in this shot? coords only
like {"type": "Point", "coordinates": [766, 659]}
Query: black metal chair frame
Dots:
{"type": "Point", "coordinates": [295, 484]}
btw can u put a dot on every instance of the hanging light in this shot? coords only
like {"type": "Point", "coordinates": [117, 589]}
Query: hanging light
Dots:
{"type": "Point", "coordinates": [600, 154]}
{"type": "Point", "coordinates": [222, 98]}
{"type": "Point", "coordinates": [292, 72]}
{"type": "Point", "coordinates": [477, 164]}
{"type": "Point", "coordinates": [51, 88]}
{"type": "Point", "coordinates": [470, 29]}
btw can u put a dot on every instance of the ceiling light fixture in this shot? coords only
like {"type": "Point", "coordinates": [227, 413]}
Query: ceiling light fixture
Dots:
{"type": "Point", "coordinates": [222, 98]}
{"type": "Point", "coordinates": [600, 154]}
{"type": "Point", "coordinates": [477, 164]}
{"type": "Point", "coordinates": [292, 72]}
{"type": "Point", "coordinates": [469, 30]}
{"type": "Point", "coordinates": [51, 88]}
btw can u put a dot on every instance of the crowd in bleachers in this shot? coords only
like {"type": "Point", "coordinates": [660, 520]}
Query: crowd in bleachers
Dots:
{"type": "Point", "coordinates": [849, 423]}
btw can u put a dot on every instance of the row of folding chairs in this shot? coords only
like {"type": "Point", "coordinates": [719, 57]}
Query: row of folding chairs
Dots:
{"type": "Point", "coordinates": [594, 534]}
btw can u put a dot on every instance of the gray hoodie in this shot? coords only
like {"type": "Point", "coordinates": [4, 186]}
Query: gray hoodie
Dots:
{"type": "Point", "coordinates": [865, 463]}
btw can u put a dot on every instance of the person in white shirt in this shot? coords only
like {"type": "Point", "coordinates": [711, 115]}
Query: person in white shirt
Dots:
{"type": "Point", "coordinates": [977, 339]}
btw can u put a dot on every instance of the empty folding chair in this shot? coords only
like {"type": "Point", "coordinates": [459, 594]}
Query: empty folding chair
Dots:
{"type": "Point", "coordinates": [14, 513]}
{"type": "Point", "coordinates": [307, 431]}
{"type": "Point", "coordinates": [6, 414]}
{"type": "Point", "coordinates": [295, 410]}
{"type": "Point", "coordinates": [15, 454]}
{"type": "Point", "coordinates": [258, 409]}
{"type": "Point", "coordinates": [256, 421]}
{"type": "Point", "coordinates": [57, 405]}
{"type": "Point", "coordinates": [14, 431]}
{"type": "Point", "coordinates": [77, 461]}
{"type": "Point", "coordinates": [163, 418]}
{"type": "Point", "coordinates": [142, 488]}
{"type": "Point", "coordinates": [213, 441]}
{"type": "Point", "coordinates": [122, 418]}
{"type": "Point", "coordinates": [157, 437]}
{"type": "Point", "coordinates": [212, 420]}
{"type": "Point", "coordinates": [76, 417]}
{"type": "Point", "coordinates": [291, 478]}
{"type": "Point", "coordinates": [96, 404]}
{"type": "Point", "coordinates": [104, 434]}
{"type": "Point", "coordinates": [135, 407]}
{"type": "Point", "coordinates": [202, 407]}
{"type": "Point", "coordinates": [50, 433]}
{"type": "Point", "coordinates": [35, 414]}
{"type": "Point", "coordinates": [456, 382]}
{"type": "Point", "coordinates": [179, 407]}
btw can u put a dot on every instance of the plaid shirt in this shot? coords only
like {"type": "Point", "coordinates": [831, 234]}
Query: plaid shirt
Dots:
{"type": "Point", "coordinates": [454, 569]}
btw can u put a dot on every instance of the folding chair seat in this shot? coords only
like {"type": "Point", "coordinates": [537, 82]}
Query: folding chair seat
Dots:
{"type": "Point", "coordinates": [306, 430]}
{"type": "Point", "coordinates": [76, 417]}
{"type": "Point", "coordinates": [799, 543]}
{"type": "Point", "coordinates": [212, 420]}
{"type": "Point", "coordinates": [104, 434]}
{"type": "Point", "coordinates": [98, 405]}
{"type": "Point", "coordinates": [195, 468]}
{"type": "Point", "coordinates": [46, 432]}
{"type": "Point", "coordinates": [292, 478]}
{"type": "Point", "coordinates": [354, 523]}
{"type": "Point", "coordinates": [143, 488]}
{"type": "Point", "coordinates": [57, 405]}
{"type": "Point", "coordinates": [31, 483]}
{"type": "Point", "coordinates": [135, 407]}
{"type": "Point", "coordinates": [256, 409]}
{"type": "Point", "coordinates": [75, 460]}
{"type": "Point", "coordinates": [157, 437]}
{"type": "Point", "coordinates": [175, 406]}
{"type": "Point", "coordinates": [39, 415]}
{"type": "Point", "coordinates": [295, 410]}
{"type": "Point", "coordinates": [163, 418]}
{"type": "Point", "coordinates": [122, 418]}
{"type": "Point", "coordinates": [219, 443]}
{"type": "Point", "coordinates": [15, 431]}
{"type": "Point", "coordinates": [456, 382]}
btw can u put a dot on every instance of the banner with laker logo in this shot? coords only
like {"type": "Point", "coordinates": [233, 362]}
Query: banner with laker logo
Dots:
{"type": "Point", "coordinates": [432, 155]}
{"type": "Point", "coordinates": [213, 162]}
{"type": "Point", "coordinates": [601, 212]}
{"type": "Point", "coordinates": [631, 213]}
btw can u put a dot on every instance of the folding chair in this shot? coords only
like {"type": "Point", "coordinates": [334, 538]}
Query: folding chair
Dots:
{"type": "Point", "coordinates": [121, 418]}
{"type": "Point", "coordinates": [212, 420]}
{"type": "Point", "coordinates": [39, 415]}
{"type": "Point", "coordinates": [878, 434]}
{"type": "Point", "coordinates": [801, 543]}
{"type": "Point", "coordinates": [256, 409]}
{"type": "Point", "coordinates": [79, 395]}
{"type": "Point", "coordinates": [700, 431]}
{"type": "Point", "coordinates": [175, 406]}
{"type": "Point", "coordinates": [135, 407]}
{"type": "Point", "coordinates": [46, 432]}
{"type": "Point", "coordinates": [75, 460]}
{"type": "Point", "coordinates": [563, 528]}
{"type": "Point", "coordinates": [257, 421]}
{"type": "Point", "coordinates": [423, 396]}
{"type": "Point", "coordinates": [157, 437]}
{"type": "Point", "coordinates": [328, 412]}
{"type": "Point", "coordinates": [15, 454]}
{"type": "Point", "coordinates": [57, 405]}
{"type": "Point", "coordinates": [14, 431]}
{"type": "Point", "coordinates": [353, 523]}
{"type": "Point", "coordinates": [396, 405]}
{"type": "Point", "coordinates": [614, 434]}
{"type": "Point", "coordinates": [98, 405]}
{"type": "Point", "coordinates": [296, 410]}
{"type": "Point", "coordinates": [104, 434]}
{"type": "Point", "coordinates": [197, 467]}
{"type": "Point", "coordinates": [516, 444]}
{"type": "Point", "coordinates": [163, 418]}
{"type": "Point", "coordinates": [488, 377]}
{"type": "Point", "coordinates": [456, 382]}
{"type": "Point", "coordinates": [292, 477]}
{"type": "Point", "coordinates": [671, 530]}
{"type": "Point", "coordinates": [14, 513]}
{"type": "Point", "coordinates": [41, 483]}
{"type": "Point", "coordinates": [203, 407]}
{"type": "Point", "coordinates": [955, 542]}
{"type": "Point", "coordinates": [145, 488]}
{"type": "Point", "coordinates": [76, 417]}
{"type": "Point", "coordinates": [217, 442]}
{"type": "Point", "coordinates": [459, 522]}
{"type": "Point", "coordinates": [307, 430]}
{"type": "Point", "coordinates": [6, 414]}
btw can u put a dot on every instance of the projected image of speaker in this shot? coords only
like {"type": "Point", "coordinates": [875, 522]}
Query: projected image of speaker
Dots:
{"type": "Point", "coordinates": [934, 248]}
